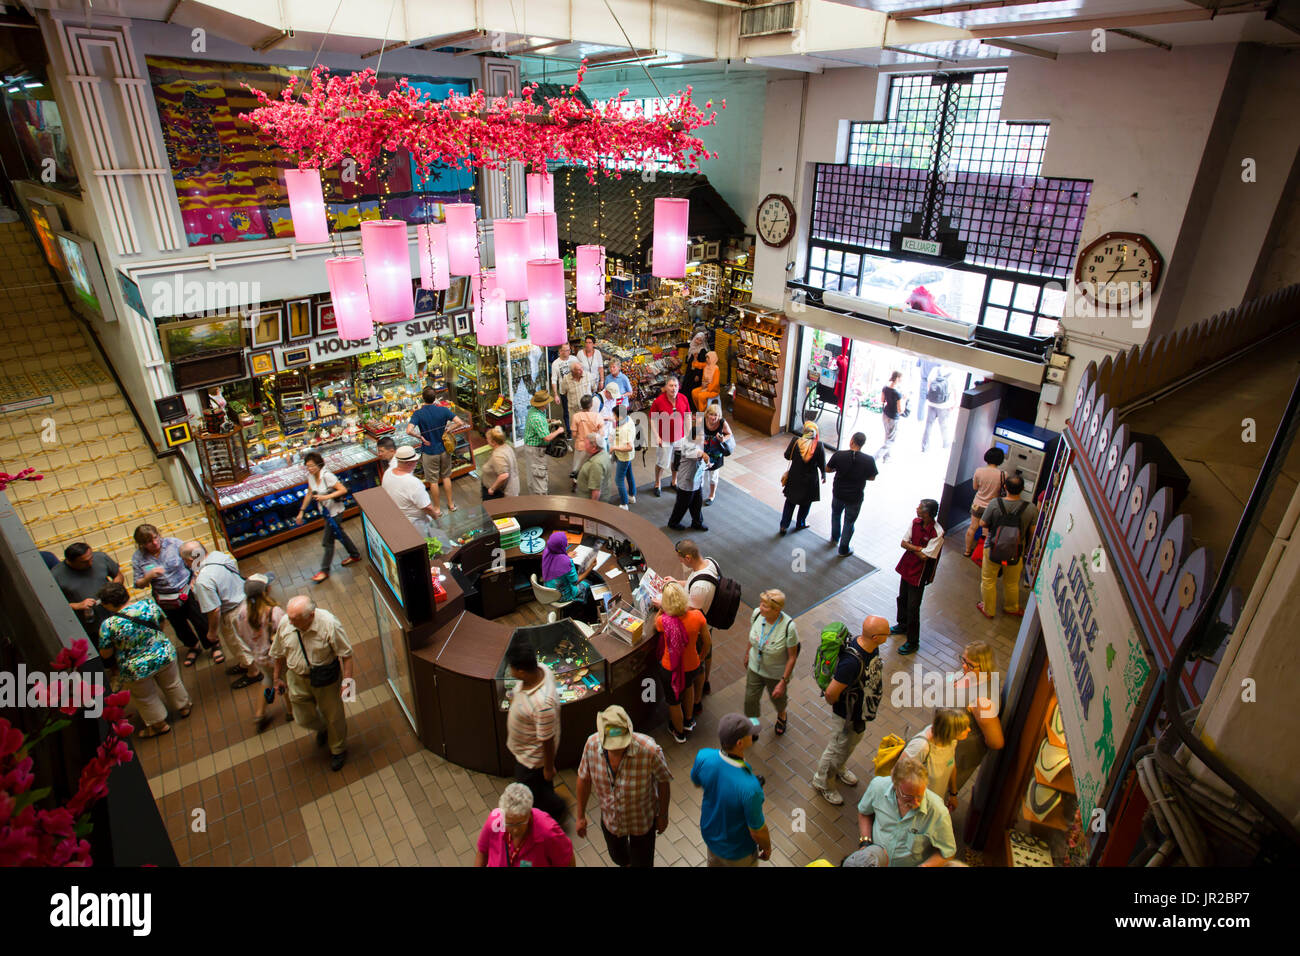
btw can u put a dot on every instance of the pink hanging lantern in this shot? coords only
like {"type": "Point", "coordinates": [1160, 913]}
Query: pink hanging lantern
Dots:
{"type": "Point", "coordinates": [434, 268]}
{"type": "Point", "coordinates": [347, 281]}
{"type": "Point", "coordinates": [591, 278]}
{"type": "Point", "coordinates": [513, 251]}
{"type": "Point", "coordinates": [541, 192]}
{"type": "Point", "coordinates": [307, 205]}
{"type": "Point", "coordinates": [546, 307]}
{"type": "Point", "coordinates": [490, 323]}
{"type": "Point", "coordinates": [543, 235]}
{"type": "Point", "coordinates": [462, 238]}
{"type": "Point", "coordinates": [671, 218]}
{"type": "Point", "coordinates": [388, 270]}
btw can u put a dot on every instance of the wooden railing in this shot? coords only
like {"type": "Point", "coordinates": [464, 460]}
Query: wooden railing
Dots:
{"type": "Point", "coordinates": [1151, 367]}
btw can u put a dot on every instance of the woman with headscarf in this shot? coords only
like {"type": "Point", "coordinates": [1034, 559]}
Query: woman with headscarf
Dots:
{"type": "Point", "coordinates": [710, 377]}
{"type": "Point", "coordinates": [806, 458]}
{"type": "Point", "coordinates": [558, 571]}
{"type": "Point", "coordinates": [694, 363]}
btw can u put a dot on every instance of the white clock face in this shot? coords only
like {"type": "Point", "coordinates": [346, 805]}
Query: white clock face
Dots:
{"type": "Point", "coordinates": [1117, 272]}
{"type": "Point", "coordinates": [774, 222]}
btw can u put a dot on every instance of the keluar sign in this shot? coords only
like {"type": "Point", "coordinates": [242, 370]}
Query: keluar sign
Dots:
{"type": "Point", "coordinates": [1101, 667]}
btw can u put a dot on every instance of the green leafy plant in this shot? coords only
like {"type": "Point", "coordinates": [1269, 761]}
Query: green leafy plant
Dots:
{"type": "Point", "coordinates": [434, 546]}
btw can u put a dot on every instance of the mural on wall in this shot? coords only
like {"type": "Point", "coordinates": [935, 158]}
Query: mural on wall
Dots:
{"type": "Point", "coordinates": [230, 181]}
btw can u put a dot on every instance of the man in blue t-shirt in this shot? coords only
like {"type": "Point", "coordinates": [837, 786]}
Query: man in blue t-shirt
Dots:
{"type": "Point", "coordinates": [427, 424]}
{"type": "Point", "coordinates": [731, 818]}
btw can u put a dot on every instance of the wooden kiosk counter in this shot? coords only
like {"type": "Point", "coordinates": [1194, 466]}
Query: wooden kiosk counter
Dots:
{"type": "Point", "coordinates": [444, 658]}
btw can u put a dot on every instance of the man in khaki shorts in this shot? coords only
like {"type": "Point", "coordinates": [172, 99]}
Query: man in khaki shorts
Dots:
{"type": "Point", "coordinates": [428, 423]}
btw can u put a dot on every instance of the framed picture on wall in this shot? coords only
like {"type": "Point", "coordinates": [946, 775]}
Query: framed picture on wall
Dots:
{"type": "Point", "coordinates": [292, 358]}
{"type": "Point", "coordinates": [265, 326]}
{"type": "Point", "coordinates": [426, 300]}
{"type": "Point", "coordinates": [325, 321]}
{"type": "Point", "coordinates": [195, 338]}
{"type": "Point", "coordinates": [697, 252]}
{"type": "Point", "coordinates": [261, 363]}
{"type": "Point", "coordinates": [461, 323]}
{"type": "Point", "coordinates": [177, 434]}
{"type": "Point", "coordinates": [454, 298]}
{"type": "Point", "coordinates": [297, 320]}
{"type": "Point", "coordinates": [712, 250]}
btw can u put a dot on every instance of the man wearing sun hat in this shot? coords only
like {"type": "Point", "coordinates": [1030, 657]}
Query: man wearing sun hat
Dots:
{"type": "Point", "coordinates": [538, 433]}
{"type": "Point", "coordinates": [630, 776]}
{"type": "Point", "coordinates": [408, 492]}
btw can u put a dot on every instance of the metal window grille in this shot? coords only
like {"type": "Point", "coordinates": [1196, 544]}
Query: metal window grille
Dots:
{"type": "Point", "coordinates": [943, 151]}
{"type": "Point", "coordinates": [1025, 308]}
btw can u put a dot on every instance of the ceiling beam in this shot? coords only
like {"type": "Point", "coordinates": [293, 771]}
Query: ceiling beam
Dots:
{"type": "Point", "coordinates": [925, 56]}
{"type": "Point", "coordinates": [1142, 38]}
{"type": "Point", "coordinates": [536, 47]}
{"type": "Point", "coordinates": [387, 48]}
{"type": "Point", "coordinates": [451, 39]}
{"type": "Point", "coordinates": [619, 56]}
{"type": "Point", "coordinates": [934, 11]}
{"type": "Point", "coordinates": [274, 40]}
{"type": "Point", "coordinates": [1123, 21]}
{"type": "Point", "coordinates": [1020, 48]}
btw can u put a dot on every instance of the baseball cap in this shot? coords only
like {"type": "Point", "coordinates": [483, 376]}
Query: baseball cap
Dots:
{"type": "Point", "coordinates": [734, 727]}
{"type": "Point", "coordinates": [613, 390]}
{"type": "Point", "coordinates": [406, 453]}
{"type": "Point", "coordinates": [256, 584]}
{"type": "Point", "coordinates": [614, 727]}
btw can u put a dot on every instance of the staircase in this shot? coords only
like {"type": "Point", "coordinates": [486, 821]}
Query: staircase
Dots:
{"type": "Point", "coordinates": [101, 479]}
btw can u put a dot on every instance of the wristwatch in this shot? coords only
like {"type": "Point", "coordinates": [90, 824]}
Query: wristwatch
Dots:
{"type": "Point", "coordinates": [865, 841]}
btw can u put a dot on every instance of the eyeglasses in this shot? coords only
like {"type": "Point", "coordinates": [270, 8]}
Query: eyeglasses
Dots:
{"type": "Point", "coordinates": [906, 798]}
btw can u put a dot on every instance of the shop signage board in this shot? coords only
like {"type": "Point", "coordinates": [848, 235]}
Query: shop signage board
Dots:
{"type": "Point", "coordinates": [1101, 666]}
{"type": "Point", "coordinates": [326, 347]}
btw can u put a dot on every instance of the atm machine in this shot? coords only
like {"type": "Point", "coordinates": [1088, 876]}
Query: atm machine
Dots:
{"type": "Point", "coordinates": [1029, 450]}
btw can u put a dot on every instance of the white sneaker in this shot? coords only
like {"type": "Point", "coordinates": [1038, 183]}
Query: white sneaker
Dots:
{"type": "Point", "coordinates": [631, 499]}
{"type": "Point", "coordinates": [624, 507]}
{"type": "Point", "coordinates": [830, 796]}
{"type": "Point", "coordinates": [848, 777]}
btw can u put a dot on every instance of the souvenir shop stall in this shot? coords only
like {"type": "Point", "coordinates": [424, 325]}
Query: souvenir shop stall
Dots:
{"type": "Point", "coordinates": [1114, 582]}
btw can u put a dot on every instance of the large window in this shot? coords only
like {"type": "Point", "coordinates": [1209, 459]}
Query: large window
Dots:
{"type": "Point", "coordinates": [944, 157]}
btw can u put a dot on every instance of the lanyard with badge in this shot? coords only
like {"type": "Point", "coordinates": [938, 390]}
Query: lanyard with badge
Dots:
{"type": "Point", "coordinates": [765, 634]}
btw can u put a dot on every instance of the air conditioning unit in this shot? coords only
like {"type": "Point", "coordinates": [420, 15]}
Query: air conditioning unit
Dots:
{"type": "Point", "coordinates": [767, 19]}
{"type": "Point", "coordinates": [937, 324]}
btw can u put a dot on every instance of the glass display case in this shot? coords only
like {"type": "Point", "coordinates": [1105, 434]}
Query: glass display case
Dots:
{"type": "Point", "coordinates": [579, 669]}
{"type": "Point", "coordinates": [261, 510]}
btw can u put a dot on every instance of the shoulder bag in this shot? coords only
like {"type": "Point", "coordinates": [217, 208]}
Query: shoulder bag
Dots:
{"type": "Point", "coordinates": [321, 675]}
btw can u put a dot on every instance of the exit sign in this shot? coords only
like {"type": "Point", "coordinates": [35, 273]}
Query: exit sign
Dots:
{"type": "Point", "coordinates": [928, 247]}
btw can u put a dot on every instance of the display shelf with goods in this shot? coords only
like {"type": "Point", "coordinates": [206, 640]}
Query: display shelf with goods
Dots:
{"type": "Point", "coordinates": [761, 339]}
{"type": "Point", "coordinates": [525, 372]}
{"type": "Point", "coordinates": [738, 284]}
{"type": "Point", "coordinates": [579, 669]}
{"type": "Point", "coordinates": [260, 512]}
{"type": "Point", "coordinates": [474, 377]}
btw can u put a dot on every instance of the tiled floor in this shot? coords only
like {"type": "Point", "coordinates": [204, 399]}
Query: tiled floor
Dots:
{"type": "Point", "coordinates": [271, 799]}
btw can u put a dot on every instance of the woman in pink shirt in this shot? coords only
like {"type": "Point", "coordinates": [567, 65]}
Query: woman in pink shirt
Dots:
{"type": "Point", "coordinates": [988, 485]}
{"type": "Point", "coordinates": [518, 834]}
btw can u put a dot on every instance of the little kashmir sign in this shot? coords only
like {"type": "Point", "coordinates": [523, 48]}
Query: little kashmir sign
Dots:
{"type": "Point", "coordinates": [1101, 667]}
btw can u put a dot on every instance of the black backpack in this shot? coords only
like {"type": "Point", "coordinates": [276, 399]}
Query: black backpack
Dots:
{"type": "Point", "coordinates": [938, 392]}
{"type": "Point", "coordinates": [1005, 544]}
{"type": "Point", "coordinates": [726, 599]}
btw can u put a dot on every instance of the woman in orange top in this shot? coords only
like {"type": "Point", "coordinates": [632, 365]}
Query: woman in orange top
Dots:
{"type": "Point", "coordinates": [710, 376]}
{"type": "Point", "coordinates": [686, 642]}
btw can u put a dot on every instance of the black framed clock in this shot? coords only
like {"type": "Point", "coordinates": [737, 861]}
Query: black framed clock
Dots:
{"type": "Point", "coordinates": [776, 220]}
{"type": "Point", "coordinates": [1118, 269]}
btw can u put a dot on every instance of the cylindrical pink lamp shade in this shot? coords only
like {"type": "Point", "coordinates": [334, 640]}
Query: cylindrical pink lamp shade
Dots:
{"type": "Point", "coordinates": [435, 272]}
{"type": "Point", "coordinates": [543, 235]}
{"type": "Point", "coordinates": [491, 326]}
{"type": "Point", "coordinates": [546, 307]}
{"type": "Point", "coordinates": [513, 251]}
{"type": "Point", "coordinates": [462, 238]}
{"type": "Point", "coordinates": [347, 281]}
{"type": "Point", "coordinates": [388, 270]}
{"type": "Point", "coordinates": [591, 278]}
{"type": "Point", "coordinates": [307, 205]}
{"type": "Point", "coordinates": [541, 192]}
{"type": "Point", "coordinates": [671, 219]}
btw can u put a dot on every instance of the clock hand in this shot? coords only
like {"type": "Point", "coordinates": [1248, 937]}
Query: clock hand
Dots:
{"type": "Point", "coordinates": [1122, 258]}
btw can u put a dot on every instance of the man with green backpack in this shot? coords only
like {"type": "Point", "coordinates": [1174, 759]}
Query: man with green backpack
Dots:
{"type": "Point", "coordinates": [851, 675]}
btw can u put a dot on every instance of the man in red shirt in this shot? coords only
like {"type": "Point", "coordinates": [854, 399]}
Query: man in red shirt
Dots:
{"type": "Point", "coordinates": [915, 570]}
{"type": "Point", "coordinates": [670, 415]}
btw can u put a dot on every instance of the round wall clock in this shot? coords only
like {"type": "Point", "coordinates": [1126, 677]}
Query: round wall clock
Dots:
{"type": "Point", "coordinates": [776, 220]}
{"type": "Point", "coordinates": [1118, 269]}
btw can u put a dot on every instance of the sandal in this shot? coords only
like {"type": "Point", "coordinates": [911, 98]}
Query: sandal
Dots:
{"type": "Point", "coordinates": [191, 656]}
{"type": "Point", "coordinates": [217, 656]}
{"type": "Point", "coordinates": [164, 728]}
{"type": "Point", "coordinates": [184, 712]}
{"type": "Point", "coordinates": [451, 507]}
{"type": "Point", "coordinates": [246, 681]}
{"type": "Point", "coordinates": [261, 723]}
{"type": "Point", "coordinates": [232, 671]}
{"type": "Point", "coordinates": [780, 727]}
{"type": "Point", "coordinates": [437, 513]}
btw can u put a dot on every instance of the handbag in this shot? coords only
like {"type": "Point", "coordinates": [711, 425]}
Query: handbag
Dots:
{"type": "Point", "coordinates": [320, 675]}
{"type": "Point", "coordinates": [448, 443]}
{"type": "Point", "coordinates": [558, 447]}
{"type": "Point", "coordinates": [888, 751]}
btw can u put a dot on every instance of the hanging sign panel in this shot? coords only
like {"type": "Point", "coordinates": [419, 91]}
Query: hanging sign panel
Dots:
{"type": "Point", "coordinates": [1101, 666]}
